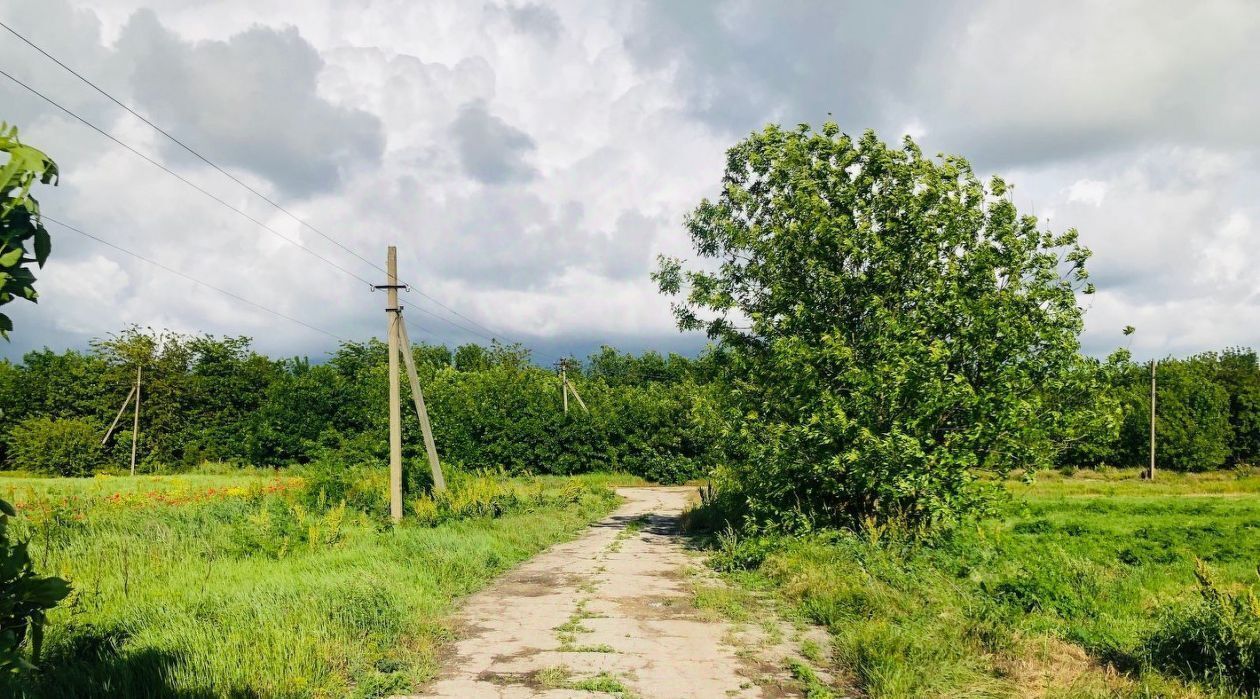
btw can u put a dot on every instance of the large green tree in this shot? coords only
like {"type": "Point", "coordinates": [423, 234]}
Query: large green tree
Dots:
{"type": "Point", "coordinates": [894, 325]}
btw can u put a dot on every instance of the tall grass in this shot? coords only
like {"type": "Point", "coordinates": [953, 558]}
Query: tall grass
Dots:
{"type": "Point", "coordinates": [251, 590]}
{"type": "Point", "coordinates": [1067, 594]}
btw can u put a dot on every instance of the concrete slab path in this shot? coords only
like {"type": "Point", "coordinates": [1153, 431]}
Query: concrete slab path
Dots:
{"type": "Point", "coordinates": [608, 614]}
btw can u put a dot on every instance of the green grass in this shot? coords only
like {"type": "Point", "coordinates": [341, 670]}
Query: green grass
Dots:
{"type": "Point", "coordinates": [247, 592]}
{"type": "Point", "coordinates": [18, 487]}
{"type": "Point", "coordinates": [561, 677]}
{"type": "Point", "coordinates": [1060, 596]}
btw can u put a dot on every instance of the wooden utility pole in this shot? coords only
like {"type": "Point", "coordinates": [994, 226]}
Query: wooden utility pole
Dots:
{"type": "Point", "coordinates": [430, 448]}
{"type": "Point", "coordinates": [1150, 472]}
{"type": "Point", "coordinates": [135, 425]}
{"type": "Point", "coordinates": [566, 387]}
{"type": "Point", "coordinates": [395, 410]}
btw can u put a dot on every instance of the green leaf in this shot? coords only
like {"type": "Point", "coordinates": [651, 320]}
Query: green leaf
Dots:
{"type": "Point", "coordinates": [43, 245]}
{"type": "Point", "coordinates": [11, 257]}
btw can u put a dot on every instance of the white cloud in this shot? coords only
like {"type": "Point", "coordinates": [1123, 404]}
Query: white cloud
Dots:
{"type": "Point", "coordinates": [1090, 192]}
{"type": "Point", "coordinates": [530, 159]}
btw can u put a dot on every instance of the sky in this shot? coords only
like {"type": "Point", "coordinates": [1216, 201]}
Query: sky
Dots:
{"type": "Point", "coordinates": [531, 160]}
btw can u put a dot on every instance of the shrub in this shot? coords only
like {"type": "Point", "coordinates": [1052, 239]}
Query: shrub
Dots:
{"type": "Point", "coordinates": [1216, 639]}
{"type": "Point", "coordinates": [473, 496]}
{"type": "Point", "coordinates": [328, 481]}
{"type": "Point", "coordinates": [64, 447]}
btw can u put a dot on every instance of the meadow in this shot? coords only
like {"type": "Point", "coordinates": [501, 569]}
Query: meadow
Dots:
{"type": "Point", "coordinates": [1095, 584]}
{"type": "Point", "coordinates": [256, 584]}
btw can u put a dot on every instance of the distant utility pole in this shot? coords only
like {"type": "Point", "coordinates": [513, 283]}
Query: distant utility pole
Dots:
{"type": "Point", "coordinates": [564, 384]}
{"type": "Point", "coordinates": [1150, 472]}
{"type": "Point", "coordinates": [566, 387]}
{"type": "Point", "coordinates": [122, 409]}
{"type": "Point", "coordinates": [135, 425]}
{"type": "Point", "coordinates": [400, 347]}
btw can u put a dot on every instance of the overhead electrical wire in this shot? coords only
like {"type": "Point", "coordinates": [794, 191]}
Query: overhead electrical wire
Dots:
{"type": "Point", "coordinates": [189, 277]}
{"type": "Point", "coordinates": [185, 146]}
{"type": "Point", "coordinates": [185, 180]}
{"type": "Point", "coordinates": [255, 192]}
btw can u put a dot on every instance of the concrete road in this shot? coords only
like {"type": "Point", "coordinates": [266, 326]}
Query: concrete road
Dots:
{"type": "Point", "coordinates": [609, 614]}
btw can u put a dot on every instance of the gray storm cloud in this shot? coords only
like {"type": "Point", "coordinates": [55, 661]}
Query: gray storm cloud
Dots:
{"type": "Point", "coordinates": [491, 150]}
{"type": "Point", "coordinates": [253, 101]}
{"type": "Point", "coordinates": [530, 159]}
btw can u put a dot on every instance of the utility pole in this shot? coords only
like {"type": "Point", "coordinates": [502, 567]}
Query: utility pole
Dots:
{"type": "Point", "coordinates": [135, 425]}
{"type": "Point", "coordinates": [566, 387]}
{"type": "Point", "coordinates": [395, 410]}
{"type": "Point", "coordinates": [1150, 472]}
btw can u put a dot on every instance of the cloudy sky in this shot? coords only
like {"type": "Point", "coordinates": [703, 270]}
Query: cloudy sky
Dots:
{"type": "Point", "coordinates": [531, 160]}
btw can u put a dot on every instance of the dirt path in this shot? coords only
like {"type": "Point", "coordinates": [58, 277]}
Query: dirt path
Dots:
{"type": "Point", "coordinates": [612, 614]}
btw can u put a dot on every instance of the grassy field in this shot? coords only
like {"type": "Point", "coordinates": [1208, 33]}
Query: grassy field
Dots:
{"type": "Point", "coordinates": [239, 585]}
{"type": "Point", "coordinates": [1085, 587]}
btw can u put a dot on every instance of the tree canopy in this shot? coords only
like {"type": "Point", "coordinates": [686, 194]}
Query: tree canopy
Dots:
{"type": "Point", "coordinates": [894, 321]}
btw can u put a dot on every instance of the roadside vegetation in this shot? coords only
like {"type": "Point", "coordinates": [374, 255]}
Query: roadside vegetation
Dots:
{"type": "Point", "coordinates": [1080, 586]}
{"type": "Point", "coordinates": [259, 585]}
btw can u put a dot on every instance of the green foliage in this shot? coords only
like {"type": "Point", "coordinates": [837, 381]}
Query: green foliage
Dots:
{"type": "Point", "coordinates": [56, 446]}
{"type": "Point", "coordinates": [1216, 639]}
{"type": "Point", "coordinates": [208, 586]}
{"type": "Point", "coordinates": [360, 486]}
{"type": "Point", "coordinates": [1064, 589]}
{"type": "Point", "coordinates": [1192, 416]}
{"type": "Point", "coordinates": [1238, 371]}
{"type": "Point", "coordinates": [894, 325]}
{"type": "Point", "coordinates": [23, 238]}
{"type": "Point", "coordinates": [25, 599]}
{"type": "Point", "coordinates": [470, 497]}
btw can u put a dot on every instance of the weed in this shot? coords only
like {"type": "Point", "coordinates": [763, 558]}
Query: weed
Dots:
{"type": "Point", "coordinates": [811, 684]}
{"type": "Point", "coordinates": [553, 677]}
{"type": "Point", "coordinates": [1215, 639]}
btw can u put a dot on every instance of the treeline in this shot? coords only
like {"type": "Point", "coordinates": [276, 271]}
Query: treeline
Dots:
{"type": "Point", "coordinates": [1207, 413]}
{"type": "Point", "coordinates": [664, 418]}
{"type": "Point", "coordinates": [216, 399]}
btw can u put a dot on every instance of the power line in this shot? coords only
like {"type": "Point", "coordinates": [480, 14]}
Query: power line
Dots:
{"type": "Point", "coordinates": [230, 176]}
{"type": "Point", "coordinates": [185, 180]}
{"type": "Point", "coordinates": [454, 324]}
{"type": "Point", "coordinates": [410, 288]}
{"type": "Point", "coordinates": [189, 277]}
{"type": "Point", "coordinates": [186, 147]}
